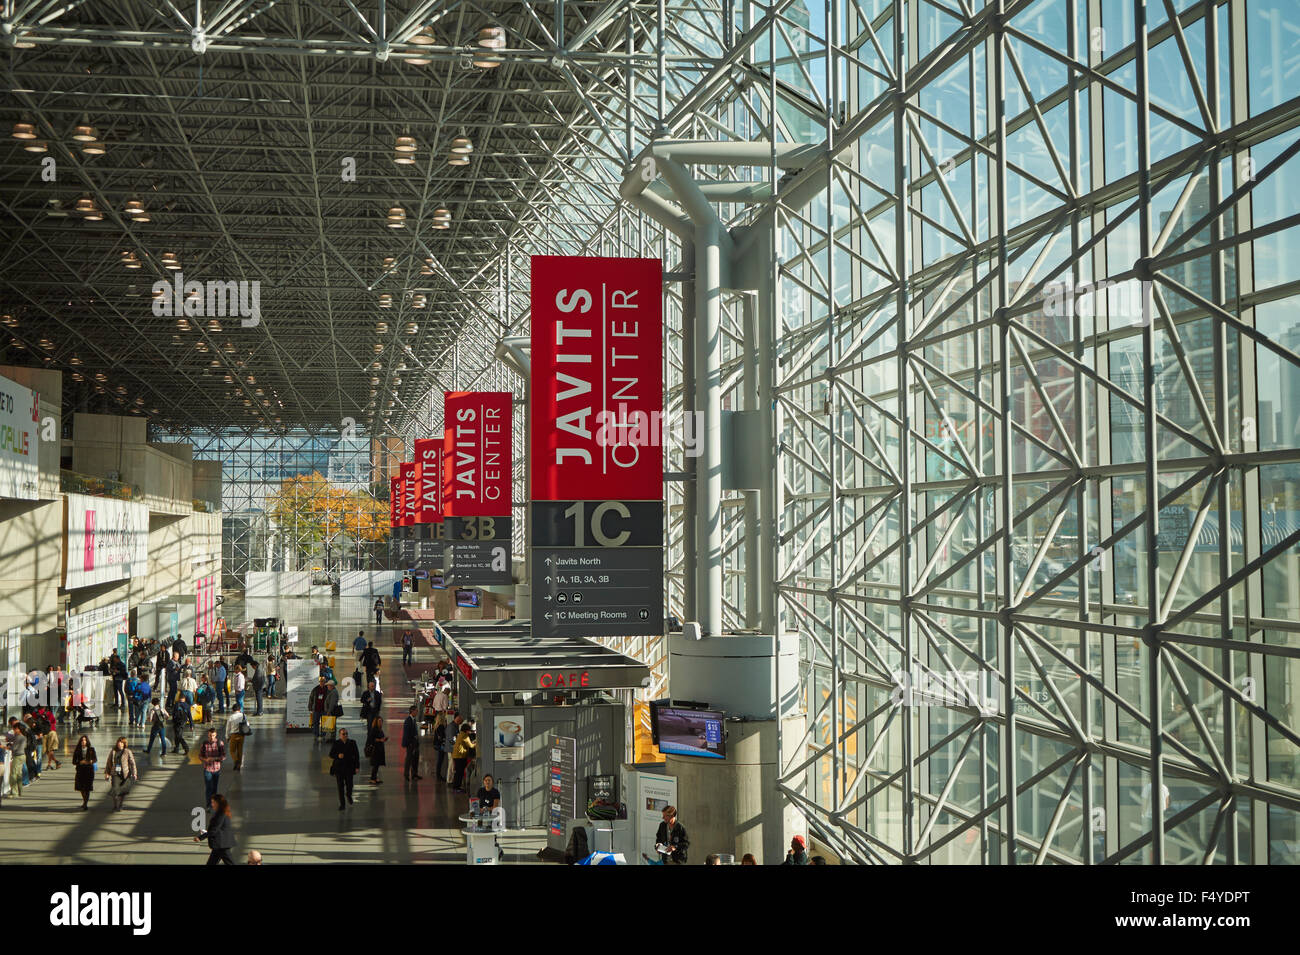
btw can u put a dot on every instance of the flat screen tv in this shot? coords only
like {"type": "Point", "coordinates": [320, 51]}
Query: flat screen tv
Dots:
{"type": "Point", "coordinates": [686, 731]}
{"type": "Point", "coordinates": [467, 598]}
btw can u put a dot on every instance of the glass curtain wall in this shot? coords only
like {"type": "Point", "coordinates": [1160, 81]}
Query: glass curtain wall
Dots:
{"type": "Point", "coordinates": [1037, 392]}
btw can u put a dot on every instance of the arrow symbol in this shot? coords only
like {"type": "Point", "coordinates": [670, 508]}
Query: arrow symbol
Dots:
{"type": "Point", "coordinates": [547, 598]}
{"type": "Point", "coordinates": [547, 616]}
{"type": "Point", "coordinates": [548, 561]}
{"type": "Point", "coordinates": [547, 579]}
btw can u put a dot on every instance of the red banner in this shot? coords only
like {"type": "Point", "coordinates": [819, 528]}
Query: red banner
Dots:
{"type": "Point", "coordinates": [477, 447]}
{"type": "Point", "coordinates": [406, 508]}
{"type": "Point", "coordinates": [428, 481]}
{"type": "Point", "coordinates": [597, 379]}
{"type": "Point", "coordinates": [394, 501]}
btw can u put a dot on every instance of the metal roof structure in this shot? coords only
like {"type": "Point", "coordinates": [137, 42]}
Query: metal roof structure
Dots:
{"type": "Point", "coordinates": [260, 138]}
{"type": "Point", "coordinates": [496, 659]}
{"type": "Point", "coordinates": [970, 449]}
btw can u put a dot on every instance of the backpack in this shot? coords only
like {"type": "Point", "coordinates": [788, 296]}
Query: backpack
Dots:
{"type": "Point", "coordinates": [141, 692]}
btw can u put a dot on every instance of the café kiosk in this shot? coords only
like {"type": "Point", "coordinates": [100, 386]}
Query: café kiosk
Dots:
{"type": "Point", "coordinates": [524, 691]}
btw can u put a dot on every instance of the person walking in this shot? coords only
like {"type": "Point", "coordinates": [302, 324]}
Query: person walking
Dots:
{"type": "Point", "coordinates": [83, 762]}
{"type": "Point", "coordinates": [220, 676]}
{"type": "Point", "coordinates": [370, 661]}
{"type": "Point", "coordinates": [143, 693]}
{"type": "Point", "coordinates": [173, 677]}
{"type": "Point", "coordinates": [17, 756]}
{"type": "Point", "coordinates": [258, 682]}
{"type": "Point", "coordinates": [188, 688]}
{"type": "Point", "coordinates": [411, 744]}
{"type": "Point", "coordinates": [372, 703]}
{"type": "Point", "coordinates": [181, 718]}
{"type": "Point", "coordinates": [237, 729]}
{"type": "Point", "coordinates": [375, 740]}
{"type": "Point", "coordinates": [238, 685]}
{"type": "Point", "coordinates": [316, 705]}
{"type": "Point", "coordinates": [379, 612]}
{"type": "Point", "coordinates": [132, 682]}
{"type": "Point", "coordinates": [440, 747]}
{"type": "Point", "coordinates": [206, 697]}
{"type": "Point", "coordinates": [120, 772]}
{"type": "Point", "coordinates": [270, 677]}
{"type": "Point", "coordinates": [462, 751]}
{"type": "Point", "coordinates": [333, 709]}
{"type": "Point", "coordinates": [220, 832]}
{"type": "Point", "coordinates": [449, 744]}
{"type": "Point", "coordinates": [157, 718]}
{"type": "Point", "coordinates": [359, 645]}
{"type": "Point", "coordinates": [408, 648]}
{"type": "Point", "coordinates": [345, 766]}
{"type": "Point", "coordinates": [52, 746]}
{"type": "Point", "coordinates": [211, 752]}
{"type": "Point", "coordinates": [118, 670]}
{"type": "Point", "coordinates": [32, 758]}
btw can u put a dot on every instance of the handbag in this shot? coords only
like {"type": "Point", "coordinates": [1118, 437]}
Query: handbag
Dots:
{"type": "Point", "coordinates": [338, 710]}
{"type": "Point", "coordinates": [370, 750]}
{"type": "Point", "coordinates": [328, 723]}
{"type": "Point", "coordinates": [196, 713]}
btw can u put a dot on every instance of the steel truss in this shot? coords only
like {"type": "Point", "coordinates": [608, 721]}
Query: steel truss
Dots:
{"type": "Point", "coordinates": [964, 475]}
{"type": "Point", "coordinates": [1037, 532]}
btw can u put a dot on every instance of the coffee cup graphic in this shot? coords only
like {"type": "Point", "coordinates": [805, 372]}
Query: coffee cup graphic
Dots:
{"type": "Point", "coordinates": [509, 733]}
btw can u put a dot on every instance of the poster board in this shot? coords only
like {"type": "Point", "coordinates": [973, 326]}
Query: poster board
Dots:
{"type": "Point", "coordinates": [105, 539]}
{"type": "Point", "coordinates": [508, 736]}
{"type": "Point", "coordinates": [19, 442]}
{"type": "Point", "coordinates": [299, 677]}
{"type": "Point", "coordinates": [653, 794]}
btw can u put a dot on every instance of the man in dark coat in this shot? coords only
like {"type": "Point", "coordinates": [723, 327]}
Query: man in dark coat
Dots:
{"type": "Point", "coordinates": [411, 743]}
{"type": "Point", "coordinates": [346, 762]}
{"type": "Point", "coordinates": [372, 703]}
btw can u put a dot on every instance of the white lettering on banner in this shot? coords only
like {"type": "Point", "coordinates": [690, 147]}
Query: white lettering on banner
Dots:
{"type": "Point", "coordinates": [107, 539]}
{"type": "Point", "coordinates": [621, 434]}
{"type": "Point", "coordinates": [478, 441]}
{"type": "Point", "coordinates": [19, 416]}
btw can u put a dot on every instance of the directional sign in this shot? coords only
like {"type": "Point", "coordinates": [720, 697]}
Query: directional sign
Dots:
{"type": "Point", "coordinates": [478, 550]}
{"type": "Point", "coordinates": [478, 529]}
{"type": "Point", "coordinates": [478, 562]}
{"type": "Point", "coordinates": [597, 591]}
{"type": "Point", "coordinates": [596, 523]}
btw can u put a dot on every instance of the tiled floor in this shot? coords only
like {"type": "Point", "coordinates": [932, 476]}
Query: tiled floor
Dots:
{"type": "Point", "coordinates": [284, 801]}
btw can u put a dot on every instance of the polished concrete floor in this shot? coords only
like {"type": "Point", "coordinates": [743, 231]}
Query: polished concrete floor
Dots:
{"type": "Point", "coordinates": [284, 802]}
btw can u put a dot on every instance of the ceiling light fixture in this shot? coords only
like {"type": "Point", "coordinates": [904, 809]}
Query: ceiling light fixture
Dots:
{"type": "Point", "coordinates": [489, 38]}
{"type": "Point", "coordinates": [96, 148]}
{"type": "Point", "coordinates": [24, 131]}
{"type": "Point", "coordinates": [385, 301]}
{"type": "Point", "coordinates": [85, 134]}
{"type": "Point", "coordinates": [36, 146]}
{"type": "Point", "coordinates": [87, 208]}
{"type": "Point", "coordinates": [396, 218]}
